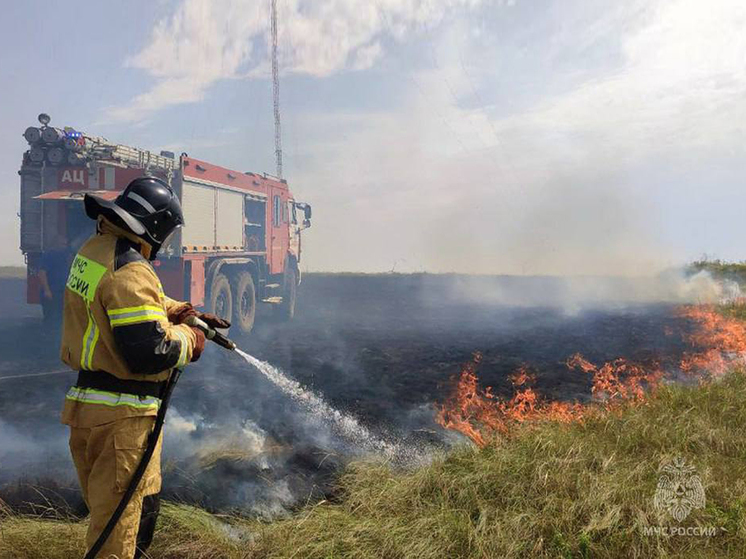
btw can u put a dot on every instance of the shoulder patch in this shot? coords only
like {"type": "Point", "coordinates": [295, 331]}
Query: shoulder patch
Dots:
{"type": "Point", "coordinates": [84, 277]}
{"type": "Point", "coordinates": [125, 253]}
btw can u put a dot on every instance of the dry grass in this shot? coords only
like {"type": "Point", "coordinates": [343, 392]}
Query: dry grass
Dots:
{"type": "Point", "coordinates": [554, 491]}
{"type": "Point", "coordinates": [29, 538]}
{"type": "Point", "coordinates": [582, 490]}
{"type": "Point", "coordinates": [183, 532]}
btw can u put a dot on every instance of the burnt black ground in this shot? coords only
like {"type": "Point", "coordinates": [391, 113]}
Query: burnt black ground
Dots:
{"type": "Point", "coordinates": [382, 348]}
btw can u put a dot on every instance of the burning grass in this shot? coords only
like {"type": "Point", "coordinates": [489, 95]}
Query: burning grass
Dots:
{"type": "Point", "coordinates": [551, 490]}
{"type": "Point", "coordinates": [717, 340]}
{"type": "Point", "coordinates": [545, 479]}
{"type": "Point", "coordinates": [577, 489]}
{"type": "Point", "coordinates": [480, 415]}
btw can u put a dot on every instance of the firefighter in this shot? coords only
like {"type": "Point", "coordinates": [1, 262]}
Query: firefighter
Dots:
{"type": "Point", "coordinates": [54, 267]}
{"type": "Point", "coordinates": [124, 336]}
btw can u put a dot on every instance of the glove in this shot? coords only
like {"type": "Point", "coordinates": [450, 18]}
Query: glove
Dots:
{"type": "Point", "coordinates": [199, 344]}
{"type": "Point", "coordinates": [186, 310]}
{"type": "Point", "coordinates": [181, 313]}
{"type": "Point", "coordinates": [213, 321]}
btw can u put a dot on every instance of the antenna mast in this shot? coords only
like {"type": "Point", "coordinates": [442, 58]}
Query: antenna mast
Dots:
{"type": "Point", "coordinates": [276, 87]}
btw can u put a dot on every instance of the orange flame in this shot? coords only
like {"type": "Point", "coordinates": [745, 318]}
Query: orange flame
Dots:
{"type": "Point", "coordinates": [481, 415]}
{"type": "Point", "coordinates": [719, 341]}
{"type": "Point", "coordinates": [618, 379]}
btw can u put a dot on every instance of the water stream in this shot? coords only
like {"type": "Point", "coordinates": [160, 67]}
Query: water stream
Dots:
{"type": "Point", "coordinates": [343, 424]}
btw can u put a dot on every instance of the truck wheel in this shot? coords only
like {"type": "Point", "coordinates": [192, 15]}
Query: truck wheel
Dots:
{"type": "Point", "coordinates": [286, 309]}
{"type": "Point", "coordinates": [221, 301]}
{"type": "Point", "coordinates": [244, 310]}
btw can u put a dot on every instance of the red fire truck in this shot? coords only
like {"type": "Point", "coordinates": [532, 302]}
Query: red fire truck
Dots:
{"type": "Point", "coordinates": [240, 245]}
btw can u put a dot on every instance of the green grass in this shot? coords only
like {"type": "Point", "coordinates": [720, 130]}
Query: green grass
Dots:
{"type": "Point", "coordinates": [183, 533]}
{"type": "Point", "coordinates": [734, 310]}
{"type": "Point", "coordinates": [568, 491]}
{"type": "Point", "coordinates": [735, 271]}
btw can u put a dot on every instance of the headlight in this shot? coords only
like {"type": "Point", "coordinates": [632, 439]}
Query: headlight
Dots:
{"type": "Point", "coordinates": [32, 134]}
{"type": "Point", "coordinates": [51, 135]}
{"type": "Point", "coordinates": [36, 155]}
{"type": "Point", "coordinates": [56, 156]}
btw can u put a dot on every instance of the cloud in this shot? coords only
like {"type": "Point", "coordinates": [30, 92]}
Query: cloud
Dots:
{"type": "Point", "coordinates": [680, 84]}
{"type": "Point", "coordinates": [205, 41]}
{"type": "Point", "coordinates": [460, 175]}
{"type": "Point", "coordinates": [556, 187]}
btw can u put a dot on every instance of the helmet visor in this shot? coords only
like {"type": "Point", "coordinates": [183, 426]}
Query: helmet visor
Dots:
{"type": "Point", "coordinates": [170, 236]}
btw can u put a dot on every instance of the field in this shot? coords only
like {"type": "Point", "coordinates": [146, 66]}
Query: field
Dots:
{"type": "Point", "coordinates": [584, 490]}
{"type": "Point", "coordinates": [387, 350]}
{"type": "Point", "coordinates": [15, 272]}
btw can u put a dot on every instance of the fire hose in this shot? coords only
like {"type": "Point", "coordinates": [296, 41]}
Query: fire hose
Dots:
{"type": "Point", "coordinates": [210, 334]}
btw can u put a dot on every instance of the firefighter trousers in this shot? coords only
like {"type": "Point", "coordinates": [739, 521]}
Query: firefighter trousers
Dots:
{"type": "Point", "coordinates": [105, 458]}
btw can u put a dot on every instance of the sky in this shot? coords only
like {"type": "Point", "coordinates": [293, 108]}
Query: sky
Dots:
{"type": "Point", "coordinates": [476, 136]}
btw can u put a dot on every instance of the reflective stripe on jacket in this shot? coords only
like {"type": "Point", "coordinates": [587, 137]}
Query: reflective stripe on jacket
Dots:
{"type": "Point", "coordinates": [112, 399]}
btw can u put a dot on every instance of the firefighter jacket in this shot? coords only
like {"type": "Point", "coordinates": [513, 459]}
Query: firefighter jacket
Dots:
{"type": "Point", "coordinates": [115, 321]}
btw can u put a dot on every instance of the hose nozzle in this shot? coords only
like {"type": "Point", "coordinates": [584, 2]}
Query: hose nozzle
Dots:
{"type": "Point", "coordinates": [211, 333]}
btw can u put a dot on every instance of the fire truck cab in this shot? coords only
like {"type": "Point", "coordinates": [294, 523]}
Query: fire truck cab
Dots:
{"type": "Point", "coordinates": [240, 244]}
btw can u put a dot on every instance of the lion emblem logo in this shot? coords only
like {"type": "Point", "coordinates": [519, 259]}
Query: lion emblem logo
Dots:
{"type": "Point", "coordinates": [679, 489]}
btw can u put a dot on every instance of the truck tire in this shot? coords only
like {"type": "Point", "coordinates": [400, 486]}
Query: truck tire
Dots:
{"type": "Point", "coordinates": [221, 300]}
{"type": "Point", "coordinates": [286, 309]}
{"type": "Point", "coordinates": [244, 311]}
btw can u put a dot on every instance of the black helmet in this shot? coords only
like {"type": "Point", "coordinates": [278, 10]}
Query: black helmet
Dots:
{"type": "Point", "coordinates": [148, 207]}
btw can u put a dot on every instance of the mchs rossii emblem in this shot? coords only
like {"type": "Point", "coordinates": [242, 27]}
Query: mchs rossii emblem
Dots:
{"type": "Point", "coordinates": [679, 489]}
